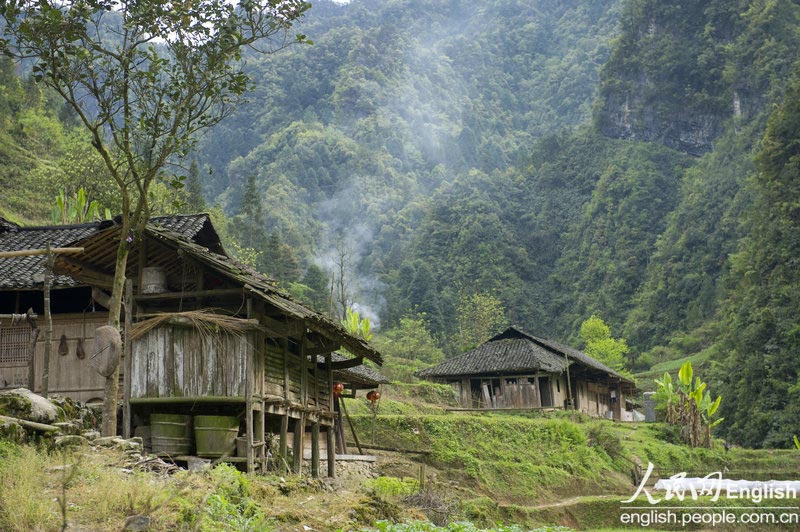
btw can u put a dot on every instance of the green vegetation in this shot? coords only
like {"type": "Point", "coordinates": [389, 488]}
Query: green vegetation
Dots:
{"type": "Point", "coordinates": [598, 343]}
{"type": "Point", "coordinates": [687, 404]}
{"type": "Point", "coordinates": [532, 470]}
{"type": "Point", "coordinates": [385, 526]}
{"type": "Point", "coordinates": [497, 455]}
{"type": "Point", "coordinates": [761, 337]}
{"type": "Point", "coordinates": [527, 163]}
{"type": "Point", "coordinates": [76, 209]}
{"type": "Point", "coordinates": [583, 467]}
{"type": "Point", "coordinates": [407, 348]}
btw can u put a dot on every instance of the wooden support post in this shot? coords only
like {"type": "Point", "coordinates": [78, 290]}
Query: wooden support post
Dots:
{"type": "Point", "coordinates": [260, 434]}
{"type": "Point", "coordinates": [284, 443]}
{"type": "Point", "coordinates": [303, 371]}
{"type": "Point", "coordinates": [331, 442]}
{"type": "Point", "coordinates": [248, 391]}
{"type": "Point", "coordinates": [259, 374]}
{"type": "Point", "coordinates": [48, 323]}
{"type": "Point", "coordinates": [329, 378]}
{"type": "Point", "coordinates": [315, 449]}
{"type": "Point", "coordinates": [249, 436]}
{"type": "Point", "coordinates": [285, 346]}
{"type": "Point", "coordinates": [316, 381]}
{"type": "Point", "coordinates": [32, 360]}
{"type": "Point", "coordinates": [297, 447]}
{"type": "Point", "coordinates": [570, 404]}
{"type": "Point", "coordinates": [352, 427]}
{"type": "Point", "coordinates": [341, 444]}
{"type": "Point", "coordinates": [127, 362]}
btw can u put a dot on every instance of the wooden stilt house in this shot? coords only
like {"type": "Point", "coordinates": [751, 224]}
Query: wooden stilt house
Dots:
{"type": "Point", "coordinates": [75, 315]}
{"type": "Point", "coordinates": [206, 335]}
{"type": "Point", "coordinates": [517, 370]}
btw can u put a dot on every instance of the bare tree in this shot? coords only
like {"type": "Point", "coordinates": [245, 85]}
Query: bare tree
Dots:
{"type": "Point", "coordinates": [341, 276]}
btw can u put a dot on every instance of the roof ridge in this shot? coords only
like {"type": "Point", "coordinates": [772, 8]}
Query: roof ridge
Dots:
{"type": "Point", "coordinates": [56, 227]}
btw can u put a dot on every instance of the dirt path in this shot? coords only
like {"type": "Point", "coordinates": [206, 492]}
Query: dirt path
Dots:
{"type": "Point", "coordinates": [573, 500]}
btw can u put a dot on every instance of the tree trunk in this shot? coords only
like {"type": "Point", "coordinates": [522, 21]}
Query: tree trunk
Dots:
{"type": "Point", "coordinates": [109, 427]}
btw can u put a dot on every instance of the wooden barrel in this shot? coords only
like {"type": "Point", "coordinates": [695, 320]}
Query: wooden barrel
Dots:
{"type": "Point", "coordinates": [171, 433]}
{"type": "Point", "coordinates": [215, 436]}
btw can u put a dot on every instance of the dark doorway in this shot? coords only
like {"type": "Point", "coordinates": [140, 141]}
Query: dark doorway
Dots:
{"type": "Point", "coordinates": [547, 393]}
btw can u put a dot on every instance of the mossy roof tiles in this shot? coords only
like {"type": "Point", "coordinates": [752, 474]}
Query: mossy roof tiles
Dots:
{"type": "Point", "coordinates": [515, 351]}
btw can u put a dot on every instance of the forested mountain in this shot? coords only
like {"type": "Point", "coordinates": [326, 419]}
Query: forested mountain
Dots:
{"type": "Point", "coordinates": [455, 166]}
{"type": "Point", "coordinates": [402, 137]}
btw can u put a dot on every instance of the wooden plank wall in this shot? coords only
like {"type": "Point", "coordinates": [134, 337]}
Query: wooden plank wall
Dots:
{"type": "Point", "coordinates": [593, 398]}
{"type": "Point", "coordinates": [318, 391]}
{"type": "Point", "coordinates": [321, 398]}
{"type": "Point", "coordinates": [273, 372]}
{"type": "Point", "coordinates": [175, 361]}
{"type": "Point", "coordinates": [69, 375]}
{"type": "Point", "coordinates": [518, 394]}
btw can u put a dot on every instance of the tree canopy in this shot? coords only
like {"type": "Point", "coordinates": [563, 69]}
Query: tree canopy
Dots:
{"type": "Point", "coordinates": [143, 78]}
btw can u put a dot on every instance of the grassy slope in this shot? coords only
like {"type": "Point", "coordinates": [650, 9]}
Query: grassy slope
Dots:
{"type": "Point", "coordinates": [530, 469]}
{"type": "Point", "coordinates": [515, 468]}
{"type": "Point", "coordinates": [700, 362]}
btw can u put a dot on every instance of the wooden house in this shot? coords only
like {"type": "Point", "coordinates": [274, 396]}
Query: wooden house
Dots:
{"type": "Point", "coordinates": [204, 335]}
{"type": "Point", "coordinates": [516, 370]}
{"type": "Point", "coordinates": [75, 313]}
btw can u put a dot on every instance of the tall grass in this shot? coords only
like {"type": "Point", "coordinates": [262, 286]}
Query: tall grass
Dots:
{"type": "Point", "coordinates": [23, 507]}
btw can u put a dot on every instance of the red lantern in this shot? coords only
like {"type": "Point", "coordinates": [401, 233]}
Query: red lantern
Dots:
{"type": "Point", "coordinates": [338, 388]}
{"type": "Point", "coordinates": [373, 396]}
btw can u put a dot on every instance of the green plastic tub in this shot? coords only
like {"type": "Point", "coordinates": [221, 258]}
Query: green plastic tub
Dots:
{"type": "Point", "coordinates": [215, 436]}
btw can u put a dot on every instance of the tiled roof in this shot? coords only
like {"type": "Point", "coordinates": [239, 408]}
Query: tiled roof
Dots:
{"type": "Point", "coordinates": [361, 376]}
{"type": "Point", "coordinates": [28, 272]}
{"type": "Point", "coordinates": [498, 356]}
{"type": "Point", "coordinates": [580, 356]}
{"type": "Point", "coordinates": [514, 350]}
{"type": "Point", "coordinates": [195, 228]}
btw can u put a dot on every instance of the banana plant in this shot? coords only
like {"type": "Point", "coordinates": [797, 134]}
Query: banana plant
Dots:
{"type": "Point", "coordinates": [76, 209]}
{"type": "Point", "coordinates": [708, 408]}
{"type": "Point", "coordinates": [356, 325]}
{"type": "Point", "coordinates": [667, 395]}
{"type": "Point", "coordinates": [690, 405]}
{"type": "Point", "coordinates": [685, 377]}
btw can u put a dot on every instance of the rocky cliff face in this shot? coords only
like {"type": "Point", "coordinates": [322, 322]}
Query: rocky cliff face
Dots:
{"type": "Point", "coordinates": [629, 116]}
{"type": "Point", "coordinates": [662, 83]}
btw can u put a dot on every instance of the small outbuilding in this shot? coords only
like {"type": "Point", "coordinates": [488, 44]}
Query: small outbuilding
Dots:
{"type": "Point", "coordinates": [517, 370]}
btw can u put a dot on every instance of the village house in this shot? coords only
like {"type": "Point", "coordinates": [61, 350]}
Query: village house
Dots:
{"type": "Point", "coordinates": [204, 336]}
{"type": "Point", "coordinates": [516, 370]}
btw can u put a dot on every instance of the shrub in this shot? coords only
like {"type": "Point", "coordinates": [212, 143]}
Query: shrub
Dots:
{"type": "Point", "coordinates": [392, 486]}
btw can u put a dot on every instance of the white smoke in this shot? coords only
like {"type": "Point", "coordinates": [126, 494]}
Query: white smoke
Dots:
{"type": "Point", "coordinates": [345, 243]}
